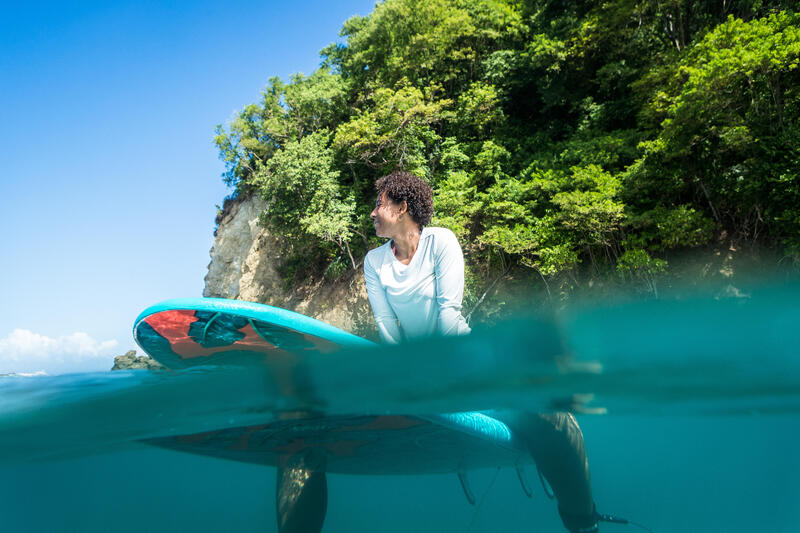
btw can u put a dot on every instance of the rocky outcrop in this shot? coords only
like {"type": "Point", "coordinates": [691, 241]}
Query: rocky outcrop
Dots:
{"type": "Point", "coordinates": [131, 361]}
{"type": "Point", "coordinates": [246, 261]}
{"type": "Point", "coordinates": [245, 258]}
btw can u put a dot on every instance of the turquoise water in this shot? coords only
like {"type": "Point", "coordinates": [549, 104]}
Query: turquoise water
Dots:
{"type": "Point", "coordinates": [690, 409]}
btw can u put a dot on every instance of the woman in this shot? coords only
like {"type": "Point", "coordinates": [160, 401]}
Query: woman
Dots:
{"type": "Point", "coordinates": [415, 283]}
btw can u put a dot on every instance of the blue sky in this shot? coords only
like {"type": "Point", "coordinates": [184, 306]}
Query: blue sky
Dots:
{"type": "Point", "coordinates": [109, 178]}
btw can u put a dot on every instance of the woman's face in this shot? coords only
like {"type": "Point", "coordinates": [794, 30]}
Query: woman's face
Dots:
{"type": "Point", "coordinates": [386, 216]}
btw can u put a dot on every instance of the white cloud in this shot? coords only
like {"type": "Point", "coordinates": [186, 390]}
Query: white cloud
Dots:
{"type": "Point", "coordinates": [26, 351]}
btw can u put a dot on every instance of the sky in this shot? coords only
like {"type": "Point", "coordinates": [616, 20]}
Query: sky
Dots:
{"type": "Point", "coordinates": [109, 178]}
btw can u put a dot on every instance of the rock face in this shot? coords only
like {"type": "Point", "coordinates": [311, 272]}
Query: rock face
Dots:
{"type": "Point", "coordinates": [244, 258]}
{"type": "Point", "coordinates": [132, 361]}
{"type": "Point", "coordinates": [245, 265]}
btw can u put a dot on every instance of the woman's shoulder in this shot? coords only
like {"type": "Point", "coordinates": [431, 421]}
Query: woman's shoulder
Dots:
{"type": "Point", "coordinates": [441, 236]}
{"type": "Point", "coordinates": [377, 255]}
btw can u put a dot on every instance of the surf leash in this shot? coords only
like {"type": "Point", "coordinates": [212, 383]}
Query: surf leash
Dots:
{"type": "Point", "coordinates": [617, 520]}
{"type": "Point", "coordinates": [480, 504]}
{"type": "Point", "coordinates": [597, 516]}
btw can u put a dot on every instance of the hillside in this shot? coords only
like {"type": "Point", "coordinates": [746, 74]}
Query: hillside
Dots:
{"type": "Point", "coordinates": [571, 146]}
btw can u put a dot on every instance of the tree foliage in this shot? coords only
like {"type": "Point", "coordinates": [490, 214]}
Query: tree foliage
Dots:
{"type": "Point", "coordinates": [559, 137]}
{"type": "Point", "coordinates": [729, 128]}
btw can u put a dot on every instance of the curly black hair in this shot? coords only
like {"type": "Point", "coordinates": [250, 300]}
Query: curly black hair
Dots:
{"type": "Point", "coordinates": [402, 186]}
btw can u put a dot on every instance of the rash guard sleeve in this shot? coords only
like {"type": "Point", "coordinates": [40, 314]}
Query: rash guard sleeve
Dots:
{"type": "Point", "coordinates": [449, 271]}
{"type": "Point", "coordinates": [385, 318]}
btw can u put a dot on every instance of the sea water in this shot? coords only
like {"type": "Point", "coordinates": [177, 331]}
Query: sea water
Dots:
{"type": "Point", "coordinates": [690, 408]}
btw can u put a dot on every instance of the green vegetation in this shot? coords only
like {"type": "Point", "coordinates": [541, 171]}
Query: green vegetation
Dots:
{"type": "Point", "coordinates": [567, 142]}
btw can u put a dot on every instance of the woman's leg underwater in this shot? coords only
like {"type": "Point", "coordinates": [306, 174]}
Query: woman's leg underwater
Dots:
{"type": "Point", "coordinates": [556, 444]}
{"type": "Point", "coordinates": [560, 454]}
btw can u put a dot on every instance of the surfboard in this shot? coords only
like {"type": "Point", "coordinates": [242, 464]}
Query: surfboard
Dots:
{"type": "Point", "coordinates": [181, 333]}
{"type": "Point", "coordinates": [375, 445]}
{"type": "Point", "coordinates": [208, 331]}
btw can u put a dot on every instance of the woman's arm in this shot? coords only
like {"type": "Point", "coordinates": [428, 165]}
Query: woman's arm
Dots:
{"type": "Point", "coordinates": [449, 271]}
{"type": "Point", "coordinates": [386, 320]}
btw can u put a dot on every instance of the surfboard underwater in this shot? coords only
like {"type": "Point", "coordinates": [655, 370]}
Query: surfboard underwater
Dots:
{"type": "Point", "coordinates": [208, 331]}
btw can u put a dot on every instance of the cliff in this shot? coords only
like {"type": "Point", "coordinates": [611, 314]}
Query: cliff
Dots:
{"type": "Point", "coordinates": [246, 263]}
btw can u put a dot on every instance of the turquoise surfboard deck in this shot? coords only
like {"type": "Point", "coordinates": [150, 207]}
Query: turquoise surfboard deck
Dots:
{"type": "Point", "coordinates": [209, 331]}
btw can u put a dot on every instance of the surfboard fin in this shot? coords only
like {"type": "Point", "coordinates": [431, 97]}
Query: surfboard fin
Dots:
{"type": "Point", "coordinates": [462, 477]}
{"type": "Point", "coordinates": [547, 489]}
{"type": "Point", "coordinates": [524, 482]}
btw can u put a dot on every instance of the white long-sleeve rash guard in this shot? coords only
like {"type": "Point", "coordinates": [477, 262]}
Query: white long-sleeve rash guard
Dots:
{"type": "Point", "coordinates": [422, 298]}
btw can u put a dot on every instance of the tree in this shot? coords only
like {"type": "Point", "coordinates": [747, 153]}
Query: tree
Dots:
{"type": "Point", "coordinates": [301, 187]}
{"type": "Point", "coordinates": [729, 134]}
{"type": "Point", "coordinates": [287, 112]}
{"type": "Point", "coordinates": [393, 130]}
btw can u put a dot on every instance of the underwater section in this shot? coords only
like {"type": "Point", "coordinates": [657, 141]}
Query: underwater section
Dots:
{"type": "Point", "coordinates": [690, 409]}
